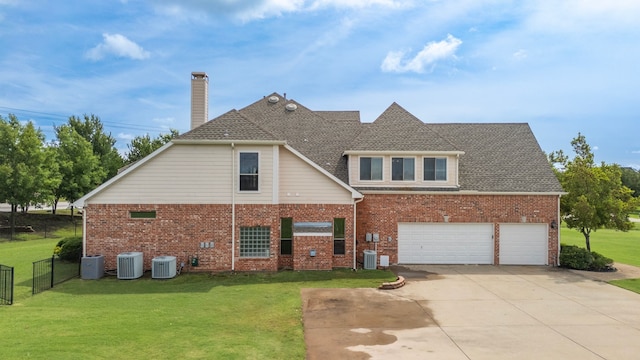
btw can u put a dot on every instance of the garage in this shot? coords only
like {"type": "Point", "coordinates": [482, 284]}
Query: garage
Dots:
{"type": "Point", "coordinates": [445, 243]}
{"type": "Point", "coordinates": [523, 244]}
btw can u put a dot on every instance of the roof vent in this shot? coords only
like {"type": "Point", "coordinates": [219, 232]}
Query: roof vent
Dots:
{"type": "Point", "coordinates": [274, 99]}
{"type": "Point", "coordinates": [291, 106]}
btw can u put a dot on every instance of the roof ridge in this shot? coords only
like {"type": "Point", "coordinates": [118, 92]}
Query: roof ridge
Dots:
{"type": "Point", "coordinates": [258, 126]}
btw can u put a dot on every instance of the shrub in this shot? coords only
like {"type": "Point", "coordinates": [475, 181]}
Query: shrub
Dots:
{"type": "Point", "coordinates": [574, 257]}
{"type": "Point", "coordinates": [58, 248]}
{"type": "Point", "coordinates": [71, 248]}
{"type": "Point", "coordinates": [601, 263]}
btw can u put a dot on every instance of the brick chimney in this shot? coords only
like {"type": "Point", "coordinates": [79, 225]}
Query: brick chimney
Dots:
{"type": "Point", "coordinates": [199, 99]}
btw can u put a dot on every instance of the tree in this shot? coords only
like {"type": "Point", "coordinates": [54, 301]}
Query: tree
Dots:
{"type": "Point", "coordinates": [596, 197]}
{"type": "Point", "coordinates": [79, 166]}
{"type": "Point", "coordinates": [142, 146]}
{"type": "Point", "coordinates": [28, 173]}
{"type": "Point", "coordinates": [91, 129]}
{"type": "Point", "coordinates": [631, 179]}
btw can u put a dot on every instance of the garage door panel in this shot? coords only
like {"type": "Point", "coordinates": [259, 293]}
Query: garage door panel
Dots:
{"type": "Point", "coordinates": [445, 243]}
{"type": "Point", "coordinates": [524, 244]}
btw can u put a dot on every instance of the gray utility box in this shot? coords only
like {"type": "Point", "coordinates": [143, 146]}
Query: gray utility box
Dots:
{"type": "Point", "coordinates": [370, 261]}
{"type": "Point", "coordinates": [92, 267]}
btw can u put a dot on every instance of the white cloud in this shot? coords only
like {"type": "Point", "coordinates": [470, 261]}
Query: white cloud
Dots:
{"type": "Point", "coordinates": [123, 136]}
{"type": "Point", "coordinates": [429, 55]}
{"type": "Point", "coordinates": [595, 148]}
{"type": "Point", "coordinates": [358, 4]}
{"type": "Point", "coordinates": [247, 10]}
{"type": "Point", "coordinates": [636, 152]}
{"type": "Point", "coordinates": [117, 45]}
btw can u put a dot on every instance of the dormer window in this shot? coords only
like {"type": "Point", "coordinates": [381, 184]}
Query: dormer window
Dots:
{"type": "Point", "coordinates": [435, 169]}
{"type": "Point", "coordinates": [371, 168]}
{"type": "Point", "coordinates": [403, 169]}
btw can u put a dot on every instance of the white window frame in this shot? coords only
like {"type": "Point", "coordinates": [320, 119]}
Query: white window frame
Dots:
{"type": "Point", "coordinates": [240, 174]}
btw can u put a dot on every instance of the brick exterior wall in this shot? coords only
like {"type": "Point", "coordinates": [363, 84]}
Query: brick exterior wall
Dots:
{"type": "Point", "coordinates": [179, 230]}
{"type": "Point", "coordinates": [321, 245]}
{"type": "Point", "coordinates": [380, 213]}
{"type": "Point", "coordinates": [322, 213]}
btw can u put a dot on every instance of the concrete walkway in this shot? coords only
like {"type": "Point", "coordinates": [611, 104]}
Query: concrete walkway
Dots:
{"type": "Point", "coordinates": [476, 312]}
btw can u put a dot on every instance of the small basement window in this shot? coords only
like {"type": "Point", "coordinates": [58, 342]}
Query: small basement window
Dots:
{"type": "Point", "coordinates": [142, 214]}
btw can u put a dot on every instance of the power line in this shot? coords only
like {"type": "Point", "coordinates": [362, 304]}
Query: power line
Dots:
{"type": "Point", "coordinates": [64, 118]}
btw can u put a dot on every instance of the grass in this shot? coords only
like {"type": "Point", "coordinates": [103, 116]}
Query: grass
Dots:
{"type": "Point", "coordinates": [629, 284]}
{"type": "Point", "coordinates": [192, 316]}
{"type": "Point", "coordinates": [622, 247]}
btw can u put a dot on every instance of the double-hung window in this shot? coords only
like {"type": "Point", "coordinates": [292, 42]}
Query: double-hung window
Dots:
{"type": "Point", "coordinates": [435, 169]}
{"type": "Point", "coordinates": [370, 168]}
{"type": "Point", "coordinates": [249, 171]}
{"type": "Point", "coordinates": [338, 236]}
{"type": "Point", "coordinates": [402, 169]}
{"type": "Point", "coordinates": [286, 236]}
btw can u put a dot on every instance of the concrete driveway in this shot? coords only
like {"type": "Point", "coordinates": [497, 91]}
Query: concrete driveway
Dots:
{"type": "Point", "coordinates": [475, 312]}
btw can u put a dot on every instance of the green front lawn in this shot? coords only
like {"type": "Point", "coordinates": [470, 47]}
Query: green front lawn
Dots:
{"type": "Point", "coordinates": [622, 247]}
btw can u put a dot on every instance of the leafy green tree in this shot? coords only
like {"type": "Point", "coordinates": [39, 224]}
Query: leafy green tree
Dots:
{"type": "Point", "coordinates": [91, 129]}
{"type": "Point", "coordinates": [79, 166]}
{"type": "Point", "coordinates": [596, 198]}
{"type": "Point", "coordinates": [142, 146]}
{"type": "Point", "coordinates": [28, 173]}
{"type": "Point", "coordinates": [631, 179]}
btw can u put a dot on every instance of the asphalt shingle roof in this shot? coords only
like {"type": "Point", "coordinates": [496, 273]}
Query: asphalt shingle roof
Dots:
{"type": "Point", "coordinates": [498, 157]}
{"type": "Point", "coordinates": [398, 130]}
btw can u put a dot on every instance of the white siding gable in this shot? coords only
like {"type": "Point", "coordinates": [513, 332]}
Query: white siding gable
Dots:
{"type": "Point", "coordinates": [182, 174]}
{"type": "Point", "coordinates": [301, 183]}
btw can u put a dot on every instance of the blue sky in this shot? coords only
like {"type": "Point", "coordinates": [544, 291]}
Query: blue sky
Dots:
{"type": "Point", "coordinates": [562, 66]}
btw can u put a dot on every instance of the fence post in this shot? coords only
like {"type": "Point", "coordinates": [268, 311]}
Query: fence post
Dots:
{"type": "Point", "coordinates": [6, 284]}
{"type": "Point", "coordinates": [12, 285]}
{"type": "Point", "coordinates": [53, 257]}
{"type": "Point", "coordinates": [33, 279]}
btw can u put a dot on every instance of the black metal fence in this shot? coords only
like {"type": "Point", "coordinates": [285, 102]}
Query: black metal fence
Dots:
{"type": "Point", "coordinates": [6, 285]}
{"type": "Point", "coordinates": [51, 271]}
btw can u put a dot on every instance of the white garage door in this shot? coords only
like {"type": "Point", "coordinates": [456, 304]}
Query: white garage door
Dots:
{"type": "Point", "coordinates": [523, 244]}
{"type": "Point", "coordinates": [445, 243]}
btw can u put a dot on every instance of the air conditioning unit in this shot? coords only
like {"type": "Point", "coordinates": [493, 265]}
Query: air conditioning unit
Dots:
{"type": "Point", "coordinates": [370, 260]}
{"type": "Point", "coordinates": [130, 265]}
{"type": "Point", "coordinates": [163, 267]}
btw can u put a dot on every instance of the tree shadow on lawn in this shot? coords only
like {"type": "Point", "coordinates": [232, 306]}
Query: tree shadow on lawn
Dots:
{"type": "Point", "coordinates": [205, 282]}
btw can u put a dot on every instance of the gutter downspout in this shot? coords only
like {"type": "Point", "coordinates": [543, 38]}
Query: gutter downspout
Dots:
{"type": "Point", "coordinates": [355, 250]}
{"type": "Point", "coordinates": [233, 207]}
{"type": "Point", "coordinates": [558, 230]}
{"type": "Point", "coordinates": [84, 231]}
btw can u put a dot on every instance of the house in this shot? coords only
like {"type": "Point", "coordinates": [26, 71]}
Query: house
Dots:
{"type": "Point", "coordinates": [277, 185]}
